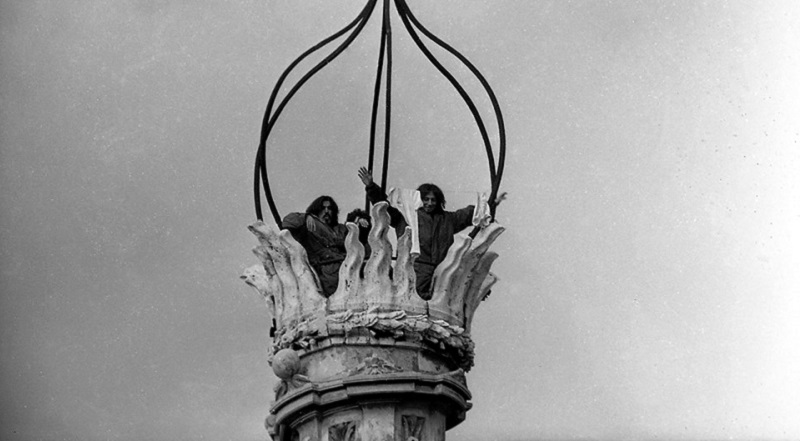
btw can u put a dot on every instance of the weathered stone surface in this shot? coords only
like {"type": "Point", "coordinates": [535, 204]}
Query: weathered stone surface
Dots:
{"type": "Point", "coordinates": [374, 405]}
{"type": "Point", "coordinates": [286, 364]}
{"type": "Point", "coordinates": [405, 279]}
{"type": "Point", "coordinates": [411, 427]}
{"type": "Point", "coordinates": [367, 327]}
{"type": "Point", "coordinates": [346, 431]}
{"type": "Point", "coordinates": [349, 278]}
{"type": "Point", "coordinates": [256, 276]}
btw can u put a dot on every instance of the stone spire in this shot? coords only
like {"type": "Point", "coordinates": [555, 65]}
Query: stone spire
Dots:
{"type": "Point", "coordinates": [374, 361]}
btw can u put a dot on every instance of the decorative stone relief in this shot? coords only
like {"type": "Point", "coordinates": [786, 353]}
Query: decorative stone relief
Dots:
{"type": "Point", "coordinates": [347, 431]}
{"type": "Point", "coordinates": [286, 385]}
{"type": "Point", "coordinates": [450, 340]}
{"type": "Point", "coordinates": [411, 427]}
{"type": "Point", "coordinates": [269, 422]}
{"type": "Point", "coordinates": [373, 366]}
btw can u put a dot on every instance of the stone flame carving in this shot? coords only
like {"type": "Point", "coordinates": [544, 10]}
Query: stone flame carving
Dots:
{"type": "Point", "coordinates": [462, 280]}
{"type": "Point", "coordinates": [383, 301]}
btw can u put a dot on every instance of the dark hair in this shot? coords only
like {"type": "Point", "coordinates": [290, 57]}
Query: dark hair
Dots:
{"type": "Point", "coordinates": [316, 207]}
{"type": "Point", "coordinates": [437, 192]}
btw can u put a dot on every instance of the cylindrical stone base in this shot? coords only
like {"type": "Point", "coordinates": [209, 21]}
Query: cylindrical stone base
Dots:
{"type": "Point", "coordinates": [362, 393]}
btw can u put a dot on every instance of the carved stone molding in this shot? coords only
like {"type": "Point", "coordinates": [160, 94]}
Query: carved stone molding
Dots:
{"type": "Point", "coordinates": [411, 428]}
{"type": "Point", "coordinates": [375, 366]}
{"type": "Point", "coordinates": [347, 431]}
{"type": "Point", "coordinates": [449, 340]}
{"type": "Point", "coordinates": [284, 386]}
{"type": "Point", "coordinates": [459, 375]}
{"type": "Point", "coordinates": [443, 388]}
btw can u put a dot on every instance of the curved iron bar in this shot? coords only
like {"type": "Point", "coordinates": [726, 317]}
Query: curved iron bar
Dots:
{"type": "Point", "coordinates": [266, 128]}
{"type": "Point", "coordinates": [270, 118]}
{"type": "Point", "coordinates": [460, 89]}
{"type": "Point", "coordinates": [496, 175]}
{"type": "Point", "coordinates": [495, 169]}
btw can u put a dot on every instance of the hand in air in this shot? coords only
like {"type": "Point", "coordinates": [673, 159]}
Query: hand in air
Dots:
{"type": "Point", "coordinates": [365, 175]}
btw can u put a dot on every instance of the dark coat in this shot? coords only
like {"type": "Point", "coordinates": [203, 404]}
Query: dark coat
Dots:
{"type": "Point", "coordinates": [324, 246]}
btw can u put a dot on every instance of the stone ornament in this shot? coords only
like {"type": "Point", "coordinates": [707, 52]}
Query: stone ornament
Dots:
{"type": "Point", "coordinates": [286, 366]}
{"type": "Point", "coordinates": [346, 431]}
{"type": "Point", "coordinates": [375, 366]}
{"type": "Point", "coordinates": [411, 428]}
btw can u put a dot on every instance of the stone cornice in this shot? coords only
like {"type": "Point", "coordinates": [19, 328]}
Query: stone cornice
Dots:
{"type": "Point", "coordinates": [326, 396]}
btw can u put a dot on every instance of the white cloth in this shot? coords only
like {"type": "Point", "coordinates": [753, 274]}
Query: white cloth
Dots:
{"type": "Point", "coordinates": [408, 202]}
{"type": "Point", "coordinates": [481, 217]}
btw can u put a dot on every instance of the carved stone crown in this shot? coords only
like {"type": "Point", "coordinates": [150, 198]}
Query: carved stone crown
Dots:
{"type": "Point", "coordinates": [374, 360]}
{"type": "Point", "coordinates": [382, 299]}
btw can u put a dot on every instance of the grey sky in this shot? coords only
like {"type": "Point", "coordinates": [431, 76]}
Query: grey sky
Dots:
{"type": "Point", "coordinates": [649, 285]}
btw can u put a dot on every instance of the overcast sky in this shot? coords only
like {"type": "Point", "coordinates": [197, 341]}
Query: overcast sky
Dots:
{"type": "Point", "coordinates": [649, 272]}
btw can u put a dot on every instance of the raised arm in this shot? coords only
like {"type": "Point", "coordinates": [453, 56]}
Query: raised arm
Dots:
{"type": "Point", "coordinates": [463, 217]}
{"type": "Point", "coordinates": [376, 194]}
{"type": "Point", "coordinates": [374, 191]}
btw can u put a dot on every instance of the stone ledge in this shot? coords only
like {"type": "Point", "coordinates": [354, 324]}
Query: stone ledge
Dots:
{"type": "Point", "coordinates": [361, 389]}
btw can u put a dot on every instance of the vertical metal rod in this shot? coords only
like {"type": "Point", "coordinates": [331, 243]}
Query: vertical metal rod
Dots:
{"type": "Point", "coordinates": [387, 26]}
{"type": "Point", "coordinates": [375, 100]}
